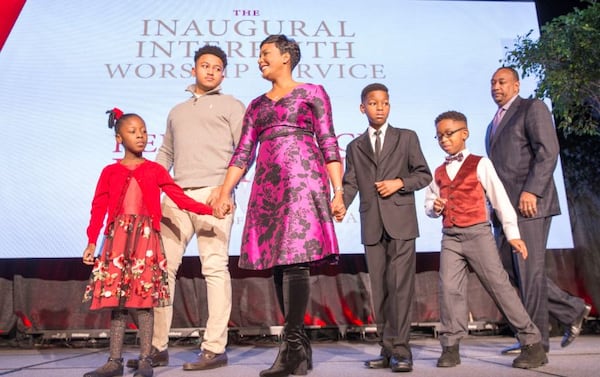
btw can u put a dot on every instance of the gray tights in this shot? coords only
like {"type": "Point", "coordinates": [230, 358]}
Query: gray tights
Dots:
{"type": "Point", "coordinates": [145, 318]}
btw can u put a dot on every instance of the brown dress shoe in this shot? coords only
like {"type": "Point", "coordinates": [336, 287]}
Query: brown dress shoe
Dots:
{"type": "Point", "coordinates": [207, 360]}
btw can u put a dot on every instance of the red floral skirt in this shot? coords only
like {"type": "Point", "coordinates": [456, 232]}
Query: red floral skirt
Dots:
{"type": "Point", "coordinates": [131, 270]}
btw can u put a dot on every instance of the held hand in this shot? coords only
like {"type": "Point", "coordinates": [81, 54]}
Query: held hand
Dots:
{"type": "Point", "coordinates": [519, 246]}
{"type": "Point", "coordinates": [222, 206]}
{"type": "Point", "coordinates": [219, 213]}
{"type": "Point", "coordinates": [214, 195]}
{"type": "Point", "coordinates": [338, 208]}
{"type": "Point", "coordinates": [528, 204]}
{"type": "Point", "coordinates": [88, 254]}
{"type": "Point", "coordinates": [388, 187]}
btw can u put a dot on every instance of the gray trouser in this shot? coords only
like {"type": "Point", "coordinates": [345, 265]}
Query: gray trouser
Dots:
{"type": "Point", "coordinates": [474, 246]}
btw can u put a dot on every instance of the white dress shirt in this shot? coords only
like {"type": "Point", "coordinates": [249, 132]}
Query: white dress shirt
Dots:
{"type": "Point", "coordinates": [372, 136]}
{"type": "Point", "coordinates": [494, 192]}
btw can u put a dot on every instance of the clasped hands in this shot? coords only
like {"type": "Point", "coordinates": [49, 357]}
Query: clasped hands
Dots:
{"type": "Point", "coordinates": [222, 207]}
{"type": "Point", "coordinates": [221, 204]}
{"type": "Point", "coordinates": [337, 207]}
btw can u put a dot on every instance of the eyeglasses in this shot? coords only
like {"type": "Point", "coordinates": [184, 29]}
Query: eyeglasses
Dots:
{"type": "Point", "coordinates": [448, 134]}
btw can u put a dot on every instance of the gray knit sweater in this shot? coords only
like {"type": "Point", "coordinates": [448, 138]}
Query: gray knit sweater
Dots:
{"type": "Point", "coordinates": [200, 138]}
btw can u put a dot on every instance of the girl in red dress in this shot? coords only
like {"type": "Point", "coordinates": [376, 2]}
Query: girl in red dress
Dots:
{"type": "Point", "coordinates": [130, 271]}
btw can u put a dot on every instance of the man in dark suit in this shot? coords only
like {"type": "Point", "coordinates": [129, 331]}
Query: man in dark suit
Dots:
{"type": "Point", "coordinates": [386, 166]}
{"type": "Point", "coordinates": [522, 144]}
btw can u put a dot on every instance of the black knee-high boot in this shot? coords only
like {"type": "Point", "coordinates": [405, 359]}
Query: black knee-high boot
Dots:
{"type": "Point", "coordinates": [278, 280]}
{"type": "Point", "coordinates": [293, 353]}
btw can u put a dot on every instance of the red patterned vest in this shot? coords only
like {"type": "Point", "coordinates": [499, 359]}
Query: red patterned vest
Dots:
{"type": "Point", "coordinates": [466, 203]}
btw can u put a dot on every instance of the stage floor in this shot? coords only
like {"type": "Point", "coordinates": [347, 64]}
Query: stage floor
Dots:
{"type": "Point", "coordinates": [480, 357]}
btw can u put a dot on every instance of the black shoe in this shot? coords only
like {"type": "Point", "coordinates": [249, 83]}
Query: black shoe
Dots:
{"type": "Point", "coordinates": [157, 358]}
{"type": "Point", "coordinates": [575, 329]}
{"type": "Point", "coordinates": [379, 363]}
{"type": "Point", "coordinates": [513, 349]}
{"type": "Point", "coordinates": [144, 368]}
{"type": "Point", "coordinates": [401, 364]}
{"type": "Point", "coordinates": [449, 358]}
{"type": "Point", "coordinates": [532, 356]}
{"type": "Point", "coordinates": [207, 360]}
{"type": "Point", "coordinates": [112, 368]}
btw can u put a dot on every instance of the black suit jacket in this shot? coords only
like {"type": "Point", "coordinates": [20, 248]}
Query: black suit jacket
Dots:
{"type": "Point", "coordinates": [401, 157]}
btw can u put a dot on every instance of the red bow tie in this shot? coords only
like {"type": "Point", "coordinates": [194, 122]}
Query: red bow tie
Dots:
{"type": "Point", "coordinates": [457, 157]}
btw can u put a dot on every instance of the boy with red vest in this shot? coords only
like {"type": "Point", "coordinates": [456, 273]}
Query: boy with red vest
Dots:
{"type": "Point", "coordinates": [459, 192]}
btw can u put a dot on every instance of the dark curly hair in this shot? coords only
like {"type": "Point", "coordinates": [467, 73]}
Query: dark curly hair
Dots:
{"type": "Point", "coordinates": [285, 44]}
{"type": "Point", "coordinates": [213, 50]}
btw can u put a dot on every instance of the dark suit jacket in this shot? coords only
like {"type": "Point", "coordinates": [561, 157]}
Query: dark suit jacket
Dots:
{"type": "Point", "coordinates": [524, 152]}
{"type": "Point", "coordinates": [401, 157]}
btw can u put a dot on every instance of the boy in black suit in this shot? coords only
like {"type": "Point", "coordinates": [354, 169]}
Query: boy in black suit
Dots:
{"type": "Point", "coordinates": [386, 166]}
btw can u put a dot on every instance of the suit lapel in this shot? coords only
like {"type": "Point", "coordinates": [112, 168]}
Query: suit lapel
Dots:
{"type": "Point", "coordinates": [512, 110]}
{"type": "Point", "coordinates": [391, 139]}
{"type": "Point", "coordinates": [364, 145]}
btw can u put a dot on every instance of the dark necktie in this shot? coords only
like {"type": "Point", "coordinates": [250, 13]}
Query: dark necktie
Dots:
{"type": "Point", "coordinates": [377, 144]}
{"type": "Point", "coordinates": [457, 157]}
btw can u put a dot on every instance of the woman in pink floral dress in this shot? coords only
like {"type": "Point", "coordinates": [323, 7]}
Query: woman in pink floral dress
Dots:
{"type": "Point", "coordinates": [130, 272]}
{"type": "Point", "coordinates": [289, 221]}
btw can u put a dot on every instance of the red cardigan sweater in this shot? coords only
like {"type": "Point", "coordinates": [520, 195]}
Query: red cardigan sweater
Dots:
{"type": "Point", "coordinates": [152, 178]}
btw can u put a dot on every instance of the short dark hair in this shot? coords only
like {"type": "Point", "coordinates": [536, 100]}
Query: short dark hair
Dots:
{"type": "Point", "coordinates": [212, 50]}
{"type": "Point", "coordinates": [452, 115]}
{"type": "Point", "coordinates": [371, 88]}
{"type": "Point", "coordinates": [285, 44]}
{"type": "Point", "coordinates": [511, 70]}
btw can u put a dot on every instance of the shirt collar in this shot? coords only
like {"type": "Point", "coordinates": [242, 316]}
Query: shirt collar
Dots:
{"type": "Point", "coordinates": [382, 129]}
{"type": "Point", "coordinates": [510, 102]}
{"type": "Point", "coordinates": [192, 89]}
